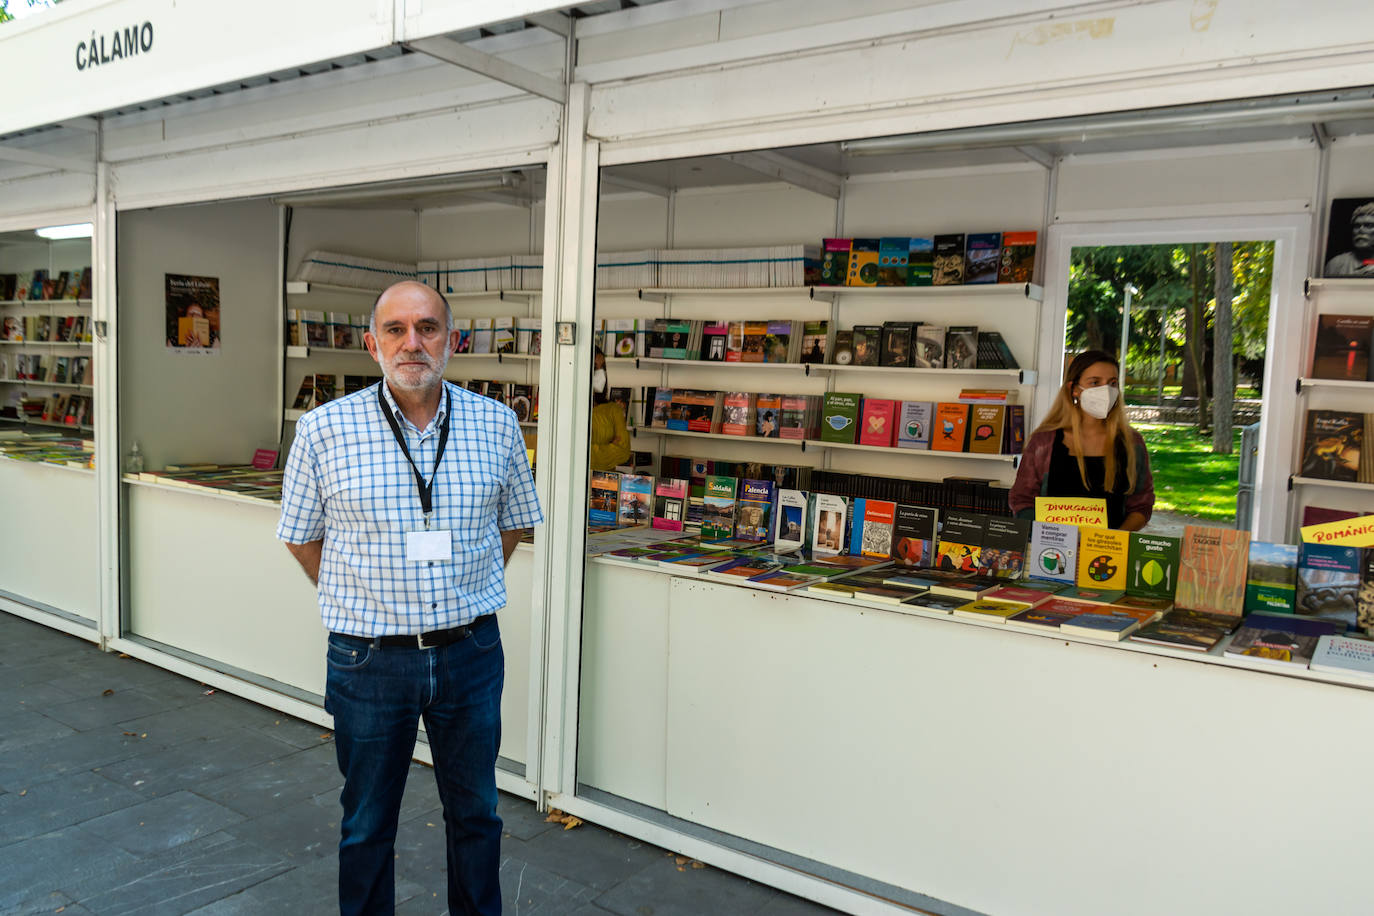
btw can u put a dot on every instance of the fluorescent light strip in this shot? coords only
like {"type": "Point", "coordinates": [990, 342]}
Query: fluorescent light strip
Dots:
{"type": "Point", "coordinates": [71, 231]}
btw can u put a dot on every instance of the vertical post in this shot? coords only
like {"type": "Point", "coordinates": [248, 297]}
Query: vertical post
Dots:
{"type": "Point", "coordinates": [1126, 329]}
{"type": "Point", "coordinates": [108, 464]}
{"type": "Point", "coordinates": [1163, 322]}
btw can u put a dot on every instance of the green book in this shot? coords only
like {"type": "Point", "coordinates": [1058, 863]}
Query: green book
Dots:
{"type": "Point", "coordinates": [1271, 583]}
{"type": "Point", "coordinates": [1152, 565]}
{"type": "Point", "coordinates": [840, 417]}
{"type": "Point", "coordinates": [718, 508]}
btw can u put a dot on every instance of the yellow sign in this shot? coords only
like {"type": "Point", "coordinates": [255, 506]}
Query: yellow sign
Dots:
{"type": "Point", "coordinates": [1348, 532]}
{"type": "Point", "coordinates": [1085, 512]}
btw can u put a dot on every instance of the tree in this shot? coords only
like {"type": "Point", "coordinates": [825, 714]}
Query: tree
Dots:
{"type": "Point", "coordinates": [1223, 378]}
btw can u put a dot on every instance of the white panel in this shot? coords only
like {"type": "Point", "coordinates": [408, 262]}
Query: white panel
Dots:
{"type": "Point", "coordinates": [231, 592]}
{"type": "Point", "coordinates": [515, 644]}
{"type": "Point", "coordinates": [1351, 161]}
{"type": "Point", "coordinates": [768, 215]}
{"type": "Point", "coordinates": [926, 752]}
{"type": "Point", "coordinates": [188, 44]}
{"type": "Point", "coordinates": [422, 18]}
{"type": "Point", "coordinates": [48, 540]}
{"type": "Point", "coordinates": [624, 680]}
{"type": "Point", "coordinates": [389, 235]}
{"type": "Point", "coordinates": [629, 223]}
{"type": "Point", "coordinates": [985, 200]}
{"type": "Point", "coordinates": [199, 408]}
{"type": "Point", "coordinates": [482, 231]}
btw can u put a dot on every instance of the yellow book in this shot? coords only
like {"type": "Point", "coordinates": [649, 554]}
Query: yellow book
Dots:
{"type": "Point", "coordinates": [1102, 556]}
{"type": "Point", "coordinates": [990, 609]}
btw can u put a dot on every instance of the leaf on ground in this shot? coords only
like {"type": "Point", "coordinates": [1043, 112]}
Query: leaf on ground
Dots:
{"type": "Point", "coordinates": [555, 816]}
{"type": "Point", "coordinates": [682, 860]}
{"type": "Point", "coordinates": [23, 792]}
{"type": "Point", "coordinates": [680, 868]}
{"type": "Point", "coordinates": [107, 693]}
{"type": "Point", "coordinates": [559, 817]}
{"type": "Point", "coordinates": [120, 655]}
{"type": "Point", "coordinates": [131, 734]}
{"type": "Point", "coordinates": [570, 822]}
{"type": "Point", "coordinates": [696, 864]}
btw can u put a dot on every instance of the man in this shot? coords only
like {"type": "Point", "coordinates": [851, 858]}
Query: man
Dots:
{"type": "Point", "coordinates": [403, 502]}
{"type": "Point", "coordinates": [1359, 261]}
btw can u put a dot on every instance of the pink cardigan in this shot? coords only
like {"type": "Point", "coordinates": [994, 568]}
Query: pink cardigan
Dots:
{"type": "Point", "coordinates": [1032, 476]}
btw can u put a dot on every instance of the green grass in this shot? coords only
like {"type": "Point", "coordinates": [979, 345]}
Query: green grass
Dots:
{"type": "Point", "coordinates": [1189, 479]}
{"type": "Point", "coordinates": [1146, 394]}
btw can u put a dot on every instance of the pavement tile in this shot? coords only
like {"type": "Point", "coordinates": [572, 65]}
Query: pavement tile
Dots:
{"type": "Point", "coordinates": [522, 821]}
{"type": "Point", "coordinates": [294, 776]}
{"type": "Point", "coordinates": [38, 867]}
{"type": "Point", "coordinates": [787, 905]}
{"type": "Point", "coordinates": [193, 763]}
{"type": "Point", "coordinates": [43, 760]}
{"type": "Point", "coordinates": [162, 823]}
{"type": "Point", "coordinates": [529, 889]}
{"type": "Point", "coordinates": [27, 727]}
{"type": "Point", "coordinates": [296, 732]}
{"type": "Point", "coordinates": [308, 829]}
{"type": "Point", "coordinates": [106, 709]}
{"type": "Point", "coordinates": [58, 803]}
{"type": "Point", "coordinates": [206, 717]}
{"type": "Point", "coordinates": [36, 696]}
{"type": "Point", "coordinates": [596, 858]}
{"type": "Point", "coordinates": [662, 890]}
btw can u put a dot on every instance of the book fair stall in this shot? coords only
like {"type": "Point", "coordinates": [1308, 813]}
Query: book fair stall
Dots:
{"type": "Point", "coordinates": [790, 627]}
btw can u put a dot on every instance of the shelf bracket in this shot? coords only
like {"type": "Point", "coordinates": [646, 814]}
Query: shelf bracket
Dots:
{"type": "Point", "coordinates": [1307, 288]}
{"type": "Point", "coordinates": [1290, 483]}
{"type": "Point", "coordinates": [660, 298]}
{"type": "Point", "coordinates": [490, 66]}
{"type": "Point", "coordinates": [784, 168]}
{"type": "Point", "coordinates": [1297, 388]}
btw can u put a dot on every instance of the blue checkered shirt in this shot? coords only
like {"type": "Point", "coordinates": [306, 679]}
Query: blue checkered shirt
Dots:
{"type": "Point", "coordinates": [346, 481]}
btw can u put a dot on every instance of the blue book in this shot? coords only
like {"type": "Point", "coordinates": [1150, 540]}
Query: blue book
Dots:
{"type": "Point", "coordinates": [1100, 626]}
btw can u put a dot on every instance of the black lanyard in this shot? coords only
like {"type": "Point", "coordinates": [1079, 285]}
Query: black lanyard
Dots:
{"type": "Point", "coordinates": [426, 489]}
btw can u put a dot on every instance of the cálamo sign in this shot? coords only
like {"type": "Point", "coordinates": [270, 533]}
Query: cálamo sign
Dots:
{"type": "Point", "coordinates": [126, 43]}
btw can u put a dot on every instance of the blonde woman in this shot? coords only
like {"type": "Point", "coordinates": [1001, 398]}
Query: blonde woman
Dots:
{"type": "Point", "coordinates": [1086, 448]}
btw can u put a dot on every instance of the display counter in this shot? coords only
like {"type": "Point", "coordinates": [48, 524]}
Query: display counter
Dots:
{"type": "Point", "coordinates": [967, 761]}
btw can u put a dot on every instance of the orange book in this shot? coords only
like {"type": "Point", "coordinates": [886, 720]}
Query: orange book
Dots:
{"type": "Point", "coordinates": [950, 429]}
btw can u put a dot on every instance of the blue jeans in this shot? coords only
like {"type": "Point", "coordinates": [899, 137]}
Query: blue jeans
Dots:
{"type": "Point", "coordinates": [377, 695]}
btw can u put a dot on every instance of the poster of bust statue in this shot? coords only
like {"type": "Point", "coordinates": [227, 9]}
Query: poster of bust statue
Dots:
{"type": "Point", "coordinates": [1350, 238]}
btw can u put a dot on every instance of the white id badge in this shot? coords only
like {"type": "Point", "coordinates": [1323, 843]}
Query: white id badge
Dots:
{"type": "Point", "coordinates": [422, 546]}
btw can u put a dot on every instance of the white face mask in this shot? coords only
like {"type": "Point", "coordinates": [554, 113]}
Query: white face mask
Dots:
{"type": "Point", "coordinates": [1098, 402]}
{"type": "Point", "coordinates": [599, 381]}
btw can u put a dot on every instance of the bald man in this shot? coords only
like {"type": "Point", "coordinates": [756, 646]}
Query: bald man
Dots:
{"type": "Point", "coordinates": [403, 502]}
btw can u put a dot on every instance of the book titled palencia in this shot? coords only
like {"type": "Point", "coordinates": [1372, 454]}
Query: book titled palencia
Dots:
{"type": "Point", "coordinates": [1213, 564]}
{"type": "Point", "coordinates": [754, 509]}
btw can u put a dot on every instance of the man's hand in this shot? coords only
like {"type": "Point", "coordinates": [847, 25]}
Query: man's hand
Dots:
{"type": "Point", "coordinates": [308, 555]}
{"type": "Point", "coordinates": [508, 541]}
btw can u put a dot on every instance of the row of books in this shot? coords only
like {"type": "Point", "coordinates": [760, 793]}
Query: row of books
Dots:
{"type": "Point", "coordinates": [47, 447]}
{"type": "Point", "coordinates": [323, 387]}
{"type": "Point", "coordinates": [344, 331]}
{"type": "Point", "coordinates": [981, 421]}
{"type": "Point", "coordinates": [45, 285]}
{"type": "Point", "coordinates": [1342, 348]}
{"type": "Point", "coordinates": [243, 480]}
{"type": "Point", "coordinates": [941, 260]}
{"type": "Point", "coordinates": [68, 409]}
{"type": "Point", "coordinates": [1335, 446]}
{"type": "Point", "coordinates": [46, 328]}
{"type": "Point", "coordinates": [60, 370]}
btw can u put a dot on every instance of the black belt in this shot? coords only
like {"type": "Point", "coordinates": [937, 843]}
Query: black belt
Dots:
{"type": "Point", "coordinates": [431, 640]}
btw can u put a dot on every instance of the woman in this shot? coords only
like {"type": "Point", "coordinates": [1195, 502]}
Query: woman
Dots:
{"type": "Point", "coordinates": [1085, 441]}
{"type": "Point", "coordinates": [610, 437]}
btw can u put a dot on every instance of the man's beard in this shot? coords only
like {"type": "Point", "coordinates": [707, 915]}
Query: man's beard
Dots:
{"type": "Point", "coordinates": [410, 378]}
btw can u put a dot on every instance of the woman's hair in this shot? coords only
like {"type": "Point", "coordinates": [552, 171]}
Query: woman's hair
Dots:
{"type": "Point", "coordinates": [1065, 414]}
{"type": "Point", "coordinates": [600, 397]}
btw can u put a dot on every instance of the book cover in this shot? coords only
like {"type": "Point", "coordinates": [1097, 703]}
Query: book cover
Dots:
{"type": "Point", "coordinates": [1342, 347]}
{"type": "Point", "coordinates": [827, 537]}
{"type": "Point", "coordinates": [929, 601]}
{"type": "Point", "coordinates": [1283, 640]}
{"type": "Point", "coordinates": [777, 344]}
{"type": "Point", "coordinates": [1102, 555]}
{"type": "Point", "coordinates": [741, 568]}
{"type": "Point", "coordinates": [1086, 594]}
{"type": "Point", "coordinates": [767, 415]}
{"type": "Point", "coordinates": [636, 500]}
{"type": "Point", "coordinates": [1331, 445]}
{"type": "Point", "coordinates": [879, 420]}
{"type": "Point", "coordinates": [1328, 582]}
{"type": "Point", "coordinates": [714, 337]}
{"type": "Point", "coordinates": [1100, 626]}
{"type": "Point", "coordinates": [897, 341]}
{"type": "Point", "coordinates": [1017, 263]}
{"type": "Point", "coordinates": [961, 541]}
{"type": "Point", "coordinates": [1152, 565]}
{"type": "Point", "coordinates": [982, 257]}
{"type": "Point", "coordinates": [695, 411]}
{"type": "Point", "coordinates": [1026, 597]}
{"type": "Point", "coordinates": [503, 335]}
{"type": "Point", "coordinates": [868, 342]}
{"type": "Point", "coordinates": [738, 408]}
{"type": "Point", "coordinates": [1212, 568]}
{"type": "Point", "coordinates": [718, 507]}
{"type": "Point", "coordinates": [990, 610]}
{"type": "Point", "coordinates": [1038, 619]}
{"type": "Point", "coordinates": [799, 416]}
{"type": "Point", "coordinates": [782, 581]}
{"type": "Point", "coordinates": [913, 424]}
{"type": "Point", "coordinates": [815, 340]}
{"type": "Point", "coordinates": [948, 265]}
{"type": "Point", "coordinates": [676, 332]}
{"type": "Point", "coordinates": [920, 261]}
{"type": "Point", "coordinates": [961, 347]}
{"type": "Point", "coordinates": [305, 395]}
{"type": "Point", "coordinates": [950, 429]}
{"type": "Point", "coordinates": [791, 521]}
{"type": "Point", "coordinates": [1179, 635]}
{"type": "Point", "coordinates": [603, 498]}
{"type": "Point", "coordinates": [1156, 606]}
{"type": "Point", "coordinates": [929, 350]}
{"type": "Point", "coordinates": [325, 388]}
{"type": "Point", "coordinates": [1054, 552]}
{"type": "Point", "coordinates": [835, 261]}
{"type": "Point", "coordinates": [1364, 596]}
{"type": "Point", "coordinates": [1343, 655]}
{"type": "Point", "coordinates": [840, 416]}
{"type": "Point", "coordinates": [754, 510]}
{"type": "Point", "coordinates": [1004, 547]}
{"type": "Point", "coordinates": [875, 535]}
{"type": "Point", "coordinates": [892, 260]}
{"type": "Point", "coordinates": [1271, 582]}
{"type": "Point", "coordinates": [863, 263]}
{"type": "Point", "coordinates": [670, 503]}
{"type": "Point", "coordinates": [986, 428]}
{"type": "Point", "coordinates": [844, 348]}
{"type": "Point", "coordinates": [914, 536]}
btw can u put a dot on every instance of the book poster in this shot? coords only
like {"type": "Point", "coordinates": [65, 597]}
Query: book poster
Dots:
{"type": "Point", "coordinates": [192, 314]}
{"type": "Point", "coordinates": [1350, 238]}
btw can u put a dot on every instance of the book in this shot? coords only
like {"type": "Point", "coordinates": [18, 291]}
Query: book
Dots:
{"type": "Point", "coordinates": [966, 587]}
{"type": "Point", "coordinates": [1037, 618]}
{"type": "Point", "coordinates": [827, 536]}
{"type": "Point", "coordinates": [1364, 596]}
{"type": "Point", "coordinates": [1328, 582]}
{"type": "Point", "coordinates": [790, 524]}
{"type": "Point", "coordinates": [781, 580]}
{"type": "Point", "coordinates": [1331, 445]}
{"type": "Point", "coordinates": [929, 352]}
{"type": "Point", "coordinates": [1282, 640]}
{"type": "Point", "coordinates": [754, 510]}
{"type": "Point", "coordinates": [873, 528]}
{"type": "Point", "coordinates": [1212, 568]}
{"type": "Point", "coordinates": [840, 417]}
{"type": "Point", "coordinates": [1004, 547]}
{"type": "Point", "coordinates": [898, 337]}
{"type": "Point", "coordinates": [961, 347]}
{"type": "Point", "coordinates": [1085, 594]}
{"type": "Point", "coordinates": [986, 426]}
{"type": "Point", "coordinates": [503, 335]}
{"type": "Point", "coordinates": [325, 387]}
{"type": "Point", "coordinates": [1341, 350]}
{"type": "Point", "coordinates": [767, 416]}
{"type": "Point", "coordinates": [714, 336]}
{"type": "Point", "coordinates": [982, 257]}
{"type": "Point", "coordinates": [892, 259]}
{"type": "Point", "coordinates": [1152, 565]}
{"type": "Point", "coordinates": [1343, 655]}
{"type": "Point", "coordinates": [1179, 634]}
{"type": "Point", "coordinates": [909, 581]}
{"type": "Point", "coordinates": [929, 601]}
{"type": "Point", "coordinates": [920, 261]}
{"type": "Point", "coordinates": [739, 418]}
{"type": "Point", "coordinates": [947, 267]}
{"type": "Point", "coordinates": [834, 261]}
{"type": "Point", "coordinates": [741, 568]}
{"type": "Point", "coordinates": [603, 498]}
{"type": "Point", "coordinates": [1017, 262]}
{"type": "Point", "coordinates": [695, 411]}
{"type": "Point", "coordinates": [913, 424]}
{"type": "Point", "coordinates": [879, 422]}
{"type": "Point", "coordinates": [949, 432]}
{"type": "Point", "coordinates": [1005, 359]}
{"type": "Point", "coordinates": [305, 395]}
{"type": "Point", "coordinates": [636, 500]}
{"type": "Point", "coordinates": [1054, 552]}
{"type": "Point", "coordinates": [1102, 556]}
{"type": "Point", "coordinates": [961, 541]}
{"type": "Point", "coordinates": [868, 343]}
{"type": "Point", "coordinates": [1271, 581]}
{"type": "Point", "coordinates": [800, 416]}
{"type": "Point", "coordinates": [914, 536]}
{"type": "Point", "coordinates": [1094, 625]}
{"type": "Point", "coordinates": [815, 341]}
{"type": "Point", "coordinates": [718, 504]}
{"type": "Point", "coordinates": [863, 263]}
{"type": "Point", "coordinates": [844, 348]}
{"type": "Point", "coordinates": [989, 610]}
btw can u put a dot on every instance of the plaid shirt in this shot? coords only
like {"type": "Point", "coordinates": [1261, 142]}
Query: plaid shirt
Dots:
{"type": "Point", "coordinates": [348, 483]}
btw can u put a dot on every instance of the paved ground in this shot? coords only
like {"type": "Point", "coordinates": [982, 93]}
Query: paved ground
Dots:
{"type": "Point", "coordinates": [126, 789]}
